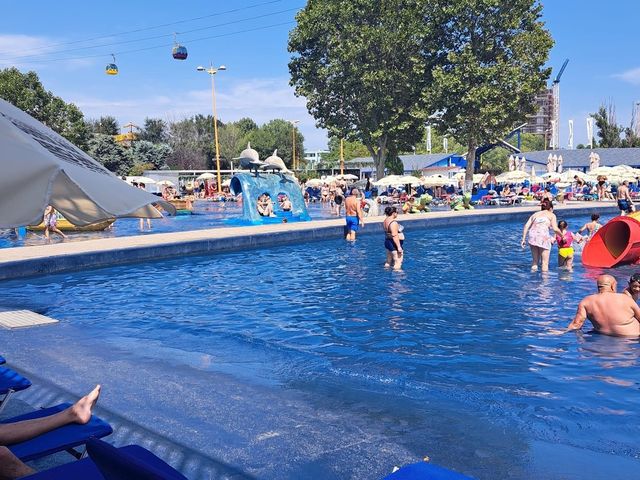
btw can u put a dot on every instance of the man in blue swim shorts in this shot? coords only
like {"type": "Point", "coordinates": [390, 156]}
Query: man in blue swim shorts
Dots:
{"type": "Point", "coordinates": [354, 214]}
{"type": "Point", "coordinates": [625, 204]}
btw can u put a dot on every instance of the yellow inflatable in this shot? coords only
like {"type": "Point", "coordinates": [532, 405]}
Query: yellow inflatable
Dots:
{"type": "Point", "coordinates": [66, 226]}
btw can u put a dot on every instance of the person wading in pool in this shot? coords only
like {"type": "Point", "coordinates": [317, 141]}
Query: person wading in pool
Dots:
{"type": "Point", "coordinates": [354, 215]}
{"type": "Point", "coordinates": [10, 466]}
{"type": "Point", "coordinates": [633, 288]}
{"type": "Point", "coordinates": [393, 239]}
{"type": "Point", "coordinates": [625, 204]}
{"type": "Point", "coordinates": [610, 313]}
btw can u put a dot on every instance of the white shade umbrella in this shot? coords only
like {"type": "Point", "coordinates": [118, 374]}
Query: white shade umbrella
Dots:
{"type": "Point", "coordinates": [347, 176]}
{"type": "Point", "coordinates": [409, 180]}
{"type": "Point", "coordinates": [387, 181]}
{"type": "Point", "coordinates": [314, 182]}
{"type": "Point", "coordinates": [145, 180]}
{"type": "Point", "coordinates": [206, 176]}
{"type": "Point", "coordinates": [602, 171]}
{"type": "Point", "coordinates": [514, 176]}
{"type": "Point", "coordinates": [435, 181]}
{"type": "Point", "coordinates": [40, 168]}
{"type": "Point", "coordinates": [329, 179]}
{"type": "Point", "coordinates": [166, 183]}
{"type": "Point", "coordinates": [226, 183]}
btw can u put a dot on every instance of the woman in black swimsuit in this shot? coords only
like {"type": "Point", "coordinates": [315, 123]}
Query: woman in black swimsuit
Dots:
{"type": "Point", "coordinates": [394, 239]}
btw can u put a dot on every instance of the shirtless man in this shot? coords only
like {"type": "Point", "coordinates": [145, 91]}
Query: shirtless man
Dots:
{"type": "Point", "coordinates": [353, 213]}
{"type": "Point", "coordinates": [610, 313]}
{"type": "Point", "coordinates": [10, 466]}
{"type": "Point", "coordinates": [625, 204]}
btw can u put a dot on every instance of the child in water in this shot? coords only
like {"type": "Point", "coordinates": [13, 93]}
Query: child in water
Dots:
{"type": "Point", "coordinates": [565, 246]}
{"type": "Point", "coordinates": [592, 227]}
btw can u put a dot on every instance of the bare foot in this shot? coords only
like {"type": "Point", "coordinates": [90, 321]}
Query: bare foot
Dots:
{"type": "Point", "coordinates": [81, 410]}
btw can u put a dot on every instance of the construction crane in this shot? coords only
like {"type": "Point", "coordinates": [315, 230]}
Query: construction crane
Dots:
{"type": "Point", "coordinates": [555, 119]}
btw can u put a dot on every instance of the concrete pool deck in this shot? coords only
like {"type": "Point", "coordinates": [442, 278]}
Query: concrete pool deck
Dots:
{"type": "Point", "coordinates": [29, 261]}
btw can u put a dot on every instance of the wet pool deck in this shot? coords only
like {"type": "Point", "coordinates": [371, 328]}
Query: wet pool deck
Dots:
{"type": "Point", "coordinates": [63, 257]}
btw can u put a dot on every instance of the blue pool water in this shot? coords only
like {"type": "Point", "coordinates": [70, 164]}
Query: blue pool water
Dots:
{"type": "Point", "coordinates": [313, 361]}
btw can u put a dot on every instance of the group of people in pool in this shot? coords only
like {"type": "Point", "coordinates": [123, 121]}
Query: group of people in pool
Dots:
{"type": "Point", "coordinates": [611, 313]}
{"type": "Point", "coordinates": [536, 234]}
{"type": "Point", "coordinates": [265, 205]}
{"type": "Point", "coordinates": [393, 231]}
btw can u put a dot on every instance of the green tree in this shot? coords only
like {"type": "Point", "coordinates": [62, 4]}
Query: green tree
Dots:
{"type": "Point", "coordinates": [147, 153]}
{"type": "Point", "coordinates": [25, 91]}
{"type": "Point", "coordinates": [277, 134]}
{"type": "Point", "coordinates": [494, 67]}
{"type": "Point", "coordinates": [192, 142]}
{"type": "Point", "coordinates": [106, 125]}
{"type": "Point", "coordinates": [246, 125]}
{"type": "Point", "coordinates": [231, 141]}
{"type": "Point", "coordinates": [154, 131]}
{"type": "Point", "coordinates": [351, 150]}
{"type": "Point", "coordinates": [362, 66]}
{"type": "Point", "coordinates": [110, 154]}
{"type": "Point", "coordinates": [608, 130]}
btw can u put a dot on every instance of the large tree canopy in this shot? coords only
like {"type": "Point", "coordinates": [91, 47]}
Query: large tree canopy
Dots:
{"type": "Point", "coordinates": [25, 91]}
{"type": "Point", "coordinates": [496, 51]}
{"type": "Point", "coordinates": [362, 67]}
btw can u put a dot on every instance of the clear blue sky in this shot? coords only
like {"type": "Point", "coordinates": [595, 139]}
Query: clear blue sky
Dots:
{"type": "Point", "coordinates": [599, 38]}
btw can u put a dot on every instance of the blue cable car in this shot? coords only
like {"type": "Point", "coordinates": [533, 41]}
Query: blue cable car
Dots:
{"type": "Point", "coordinates": [112, 68]}
{"type": "Point", "coordinates": [180, 52]}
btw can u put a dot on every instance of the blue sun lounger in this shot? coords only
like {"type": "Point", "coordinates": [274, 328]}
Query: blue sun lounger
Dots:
{"type": "Point", "coordinates": [425, 471]}
{"type": "Point", "coordinates": [64, 438]}
{"type": "Point", "coordinates": [11, 382]}
{"type": "Point", "coordinates": [107, 462]}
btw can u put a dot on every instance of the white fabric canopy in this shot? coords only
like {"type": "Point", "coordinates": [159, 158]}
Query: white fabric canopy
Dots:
{"type": "Point", "coordinates": [40, 168]}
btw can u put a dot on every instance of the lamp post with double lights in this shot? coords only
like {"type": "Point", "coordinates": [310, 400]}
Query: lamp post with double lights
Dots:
{"type": "Point", "coordinates": [212, 72]}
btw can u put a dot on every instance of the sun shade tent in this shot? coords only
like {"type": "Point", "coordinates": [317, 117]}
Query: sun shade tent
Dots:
{"type": "Point", "coordinates": [41, 168]}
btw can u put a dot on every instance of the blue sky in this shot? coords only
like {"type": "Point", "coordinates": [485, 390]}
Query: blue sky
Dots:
{"type": "Point", "coordinates": [599, 38]}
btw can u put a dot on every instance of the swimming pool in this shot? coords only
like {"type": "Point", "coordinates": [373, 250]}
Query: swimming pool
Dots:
{"type": "Point", "coordinates": [312, 361]}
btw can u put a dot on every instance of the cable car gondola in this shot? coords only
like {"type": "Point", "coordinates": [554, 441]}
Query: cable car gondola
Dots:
{"type": "Point", "coordinates": [112, 68]}
{"type": "Point", "coordinates": [179, 52]}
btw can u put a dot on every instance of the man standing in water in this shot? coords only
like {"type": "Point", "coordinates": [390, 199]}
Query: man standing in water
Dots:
{"type": "Point", "coordinates": [354, 214]}
{"type": "Point", "coordinates": [625, 204]}
{"type": "Point", "coordinates": [610, 313]}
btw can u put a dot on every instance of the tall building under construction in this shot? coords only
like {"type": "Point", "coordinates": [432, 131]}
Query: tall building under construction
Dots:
{"type": "Point", "coordinates": [540, 122]}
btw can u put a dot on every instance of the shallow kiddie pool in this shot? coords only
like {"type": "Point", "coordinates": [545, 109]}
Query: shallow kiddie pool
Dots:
{"type": "Point", "coordinates": [312, 361]}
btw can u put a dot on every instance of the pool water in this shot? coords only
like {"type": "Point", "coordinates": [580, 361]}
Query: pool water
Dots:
{"type": "Point", "coordinates": [313, 361]}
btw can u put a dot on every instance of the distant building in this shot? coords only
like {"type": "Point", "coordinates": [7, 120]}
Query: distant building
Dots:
{"type": "Point", "coordinates": [313, 158]}
{"type": "Point", "coordinates": [578, 159]}
{"type": "Point", "coordinates": [430, 163]}
{"type": "Point", "coordinates": [540, 122]}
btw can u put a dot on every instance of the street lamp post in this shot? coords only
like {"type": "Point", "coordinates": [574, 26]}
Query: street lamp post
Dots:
{"type": "Point", "coordinates": [293, 143]}
{"type": "Point", "coordinates": [212, 72]}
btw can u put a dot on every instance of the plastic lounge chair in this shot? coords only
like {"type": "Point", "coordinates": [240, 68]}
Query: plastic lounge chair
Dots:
{"type": "Point", "coordinates": [425, 471]}
{"type": "Point", "coordinates": [64, 438]}
{"type": "Point", "coordinates": [11, 382]}
{"type": "Point", "coordinates": [106, 462]}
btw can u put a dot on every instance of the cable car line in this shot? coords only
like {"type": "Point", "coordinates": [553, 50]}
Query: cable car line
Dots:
{"type": "Point", "coordinates": [234, 10]}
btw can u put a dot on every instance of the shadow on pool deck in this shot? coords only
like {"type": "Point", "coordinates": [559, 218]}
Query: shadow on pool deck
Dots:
{"type": "Point", "coordinates": [193, 464]}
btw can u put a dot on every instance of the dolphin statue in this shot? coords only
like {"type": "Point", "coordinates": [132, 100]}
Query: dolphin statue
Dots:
{"type": "Point", "coordinates": [275, 163]}
{"type": "Point", "coordinates": [249, 159]}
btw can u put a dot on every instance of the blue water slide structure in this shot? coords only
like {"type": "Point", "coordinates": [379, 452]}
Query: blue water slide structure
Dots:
{"type": "Point", "coordinates": [252, 185]}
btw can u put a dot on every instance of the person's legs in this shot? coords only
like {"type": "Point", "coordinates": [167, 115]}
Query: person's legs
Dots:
{"type": "Point", "coordinates": [46, 232]}
{"type": "Point", "coordinates": [535, 257]}
{"type": "Point", "coordinates": [569, 263]}
{"type": "Point", "coordinates": [11, 467]}
{"type": "Point", "coordinates": [397, 260]}
{"type": "Point", "coordinates": [561, 261]}
{"type": "Point", "coordinates": [79, 412]}
{"type": "Point", "coordinates": [390, 259]}
{"type": "Point", "coordinates": [544, 256]}
{"type": "Point", "coordinates": [58, 231]}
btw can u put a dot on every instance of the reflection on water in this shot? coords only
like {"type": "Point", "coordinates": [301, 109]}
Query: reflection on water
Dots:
{"type": "Point", "coordinates": [457, 351]}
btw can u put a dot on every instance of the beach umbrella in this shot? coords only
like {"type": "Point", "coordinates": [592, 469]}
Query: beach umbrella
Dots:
{"type": "Point", "coordinates": [314, 182]}
{"type": "Point", "coordinates": [435, 181]}
{"type": "Point", "coordinates": [409, 180]}
{"type": "Point", "coordinates": [329, 179]}
{"type": "Point", "coordinates": [347, 176]}
{"type": "Point", "coordinates": [166, 183]}
{"type": "Point", "coordinates": [206, 176]}
{"type": "Point", "coordinates": [514, 176]}
{"type": "Point", "coordinates": [602, 171]}
{"type": "Point", "coordinates": [389, 180]}
{"type": "Point", "coordinates": [550, 163]}
{"type": "Point", "coordinates": [42, 168]}
{"type": "Point", "coordinates": [226, 183]}
{"type": "Point", "coordinates": [533, 172]}
{"type": "Point", "coordinates": [145, 180]}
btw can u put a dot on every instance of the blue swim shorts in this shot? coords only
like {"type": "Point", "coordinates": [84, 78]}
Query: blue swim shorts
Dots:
{"type": "Point", "coordinates": [353, 223]}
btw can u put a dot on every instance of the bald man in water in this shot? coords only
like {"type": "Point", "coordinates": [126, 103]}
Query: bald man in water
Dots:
{"type": "Point", "coordinates": [610, 313]}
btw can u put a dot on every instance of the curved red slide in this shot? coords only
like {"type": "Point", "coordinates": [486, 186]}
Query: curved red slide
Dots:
{"type": "Point", "coordinates": [616, 243]}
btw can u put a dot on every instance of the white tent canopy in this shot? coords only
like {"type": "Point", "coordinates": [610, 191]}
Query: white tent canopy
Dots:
{"type": "Point", "coordinates": [41, 168]}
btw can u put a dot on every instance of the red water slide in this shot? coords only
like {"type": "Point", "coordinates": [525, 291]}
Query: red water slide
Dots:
{"type": "Point", "coordinates": [616, 243]}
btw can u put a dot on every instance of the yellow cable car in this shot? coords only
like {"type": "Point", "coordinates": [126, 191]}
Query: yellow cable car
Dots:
{"type": "Point", "coordinates": [112, 68]}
